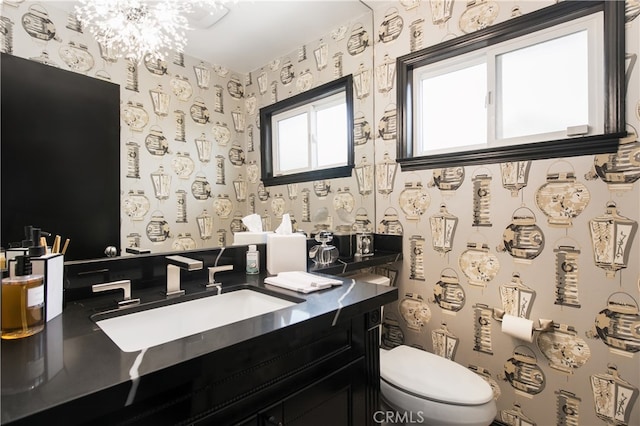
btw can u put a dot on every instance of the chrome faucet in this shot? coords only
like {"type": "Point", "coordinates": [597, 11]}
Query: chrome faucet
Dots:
{"type": "Point", "coordinates": [125, 285]}
{"type": "Point", "coordinates": [212, 281]}
{"type": "Point", "coordinates": [174, 264]}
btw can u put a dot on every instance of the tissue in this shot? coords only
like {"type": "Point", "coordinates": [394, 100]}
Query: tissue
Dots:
{"type": "Point", "coordinates": [254, 235]}
{"type": "Point", "coordinates": [285, 226]}
{"type": "Point", "coordinates": [253, 222]}
{"type": "Point", "coordinates": [520, 328]}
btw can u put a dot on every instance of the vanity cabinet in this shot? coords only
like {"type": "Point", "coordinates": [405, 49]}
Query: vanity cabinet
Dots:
{"type": "Point", "coordinates": [321, 378]}
{"type": "Point", "coordinates": [333, 400]}
{"type": "Point", "coordinates": [316, 362]}
{"type": "Point", "coordinates": [311, 373]}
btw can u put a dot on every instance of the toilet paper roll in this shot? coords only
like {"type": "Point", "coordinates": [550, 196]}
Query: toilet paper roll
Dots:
{"type": "Point", "coordinates": [517, 327]}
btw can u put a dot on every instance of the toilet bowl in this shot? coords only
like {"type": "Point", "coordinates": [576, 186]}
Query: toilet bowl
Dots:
{"type": "Point", "coordinates": [425, 388]}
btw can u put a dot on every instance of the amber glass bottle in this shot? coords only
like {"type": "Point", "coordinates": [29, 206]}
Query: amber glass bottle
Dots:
{"type": "Point", "coordinates": [22, 302]}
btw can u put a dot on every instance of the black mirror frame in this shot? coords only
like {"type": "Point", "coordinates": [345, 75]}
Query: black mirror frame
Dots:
{"type": "Point", "coordinates": [266, 141]}
{"type": "Point", "coordinates": [614, 74]}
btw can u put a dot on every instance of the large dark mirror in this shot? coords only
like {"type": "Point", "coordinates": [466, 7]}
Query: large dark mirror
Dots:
{"type": "Point", "coordinates": [188, 128]}
{"type": "Point", "coordinates": [546, 84]}
{"type": "Point", "coordinates": [309, 136]}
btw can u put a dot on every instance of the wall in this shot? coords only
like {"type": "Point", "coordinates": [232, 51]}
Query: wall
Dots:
{"type": "Point", "coordinates": [574, 357]}
{"type": "Point", "coordinates": [434, 289]}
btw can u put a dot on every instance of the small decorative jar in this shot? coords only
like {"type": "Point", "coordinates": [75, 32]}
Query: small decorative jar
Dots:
{"type": "Point", "coordinates": [415, 311]}
{"type": "Point", "coordinates": [563, 348]}
{"type": "Point", "coordinates": [618, 325]}
{"type": "Point", "coordinates": [76, 56]}
{"type": "Point", "coordinates": [344, 200]}
{"type": "Point", "coordinates": [236, 224]}
{"type": "Point", "coordinates": [183, 241]}
{"type": "Point", "coordinates": [135, 116]}
{"type": "Point", "coordinates": [414, 200]}
{"type": "Point", "coordinates": [523, 372]}
{"type": "Point", "coordinates": [562, 198]}
{"type": "Point", "coordinates": [199, 111]}
{"type": "Point", "coordinates": [136, 204]}
{"type": "Point", "coordinates": [522, 239]}
{"type": "Point", "coordinates": [619, 170]}
{"type": "Point", "coordinates": [158, 229]}
{"type": "Point", "coordinates": [362, 223]}
{"type": "Point", "coordinates": [182, 165]}
{"type": "Point", "coordinates": [321, 188]}
{"type": "Point", "coordinates": [222, 205]}
{"type": "Point", "coordinates": [448, 293]}
{"type": "Point", "coordinates": [447, 179]}
{"type": "Point", "coordinates": [390, 223]}
{"type": "Point", "coordinates": [201, 188]}
{"type": "Point", "coordinates": [221, 133]}
{"type": "Point", "coordinates": [181, 87]}
{"type": "Point", "coordinates": [156, 142]}
{"type": "Point", "coordinates": [478, 264]}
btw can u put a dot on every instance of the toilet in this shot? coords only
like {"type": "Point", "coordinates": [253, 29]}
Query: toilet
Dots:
{"type": "Point", "coordinates": [425, 388]}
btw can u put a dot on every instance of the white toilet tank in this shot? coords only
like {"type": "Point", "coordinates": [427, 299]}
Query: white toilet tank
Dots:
{"type": "Point", "coordinates": [434, 388]}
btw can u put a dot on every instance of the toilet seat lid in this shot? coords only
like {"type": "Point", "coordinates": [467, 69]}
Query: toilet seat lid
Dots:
{"type": "Point", "coordinates": [433, 377]}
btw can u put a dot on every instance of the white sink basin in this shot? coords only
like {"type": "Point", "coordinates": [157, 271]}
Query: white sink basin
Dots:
{"type": "Point", "coordinates": [139, 330]}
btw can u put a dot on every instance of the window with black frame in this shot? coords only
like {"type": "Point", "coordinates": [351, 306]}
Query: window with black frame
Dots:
{"type": "Point", "coordinates": [546, 84]}
{"type": "Point", "coordinates": [309, 136]}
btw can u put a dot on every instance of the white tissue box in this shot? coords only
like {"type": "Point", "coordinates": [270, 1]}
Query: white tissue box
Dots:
{"type": "Point", "coordinates": [286, 253]}
{"type": "Point", "coordinates": [246, 238]}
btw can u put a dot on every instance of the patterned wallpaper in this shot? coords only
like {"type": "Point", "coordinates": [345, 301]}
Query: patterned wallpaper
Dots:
{"type": "Point", "coordinates": [544, 240]}
{"type": "Point", "coordinates": [550, 239]}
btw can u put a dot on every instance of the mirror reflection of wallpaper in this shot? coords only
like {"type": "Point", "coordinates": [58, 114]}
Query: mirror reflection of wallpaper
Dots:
{"type": "Point", "coordinates": [190, 136]}
{"type": "Point", "coordinates": [553, 239]}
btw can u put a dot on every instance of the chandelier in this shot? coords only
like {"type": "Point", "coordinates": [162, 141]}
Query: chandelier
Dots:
{"type": "Point", "coordinates": [141, 29]}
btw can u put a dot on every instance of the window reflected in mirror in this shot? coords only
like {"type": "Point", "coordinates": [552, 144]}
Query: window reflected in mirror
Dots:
{"type": "Point", "coordinates": [309, 136]}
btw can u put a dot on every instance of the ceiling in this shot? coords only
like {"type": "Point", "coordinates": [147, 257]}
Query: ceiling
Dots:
{"type": "Point", "coordinates": [254, 32]}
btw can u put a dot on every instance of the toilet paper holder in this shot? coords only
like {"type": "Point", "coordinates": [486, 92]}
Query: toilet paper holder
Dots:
{"type": "Point", "coordinates": [544, 325]}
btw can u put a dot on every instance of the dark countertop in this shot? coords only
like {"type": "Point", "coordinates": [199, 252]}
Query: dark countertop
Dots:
{"type": "Point", "coordinates": [73, 357]}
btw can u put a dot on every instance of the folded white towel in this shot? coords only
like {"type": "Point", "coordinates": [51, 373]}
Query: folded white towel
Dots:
{"type": "Point", "coordinates": [301, 281]}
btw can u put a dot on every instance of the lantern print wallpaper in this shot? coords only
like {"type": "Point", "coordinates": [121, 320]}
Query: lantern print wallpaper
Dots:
{"type": "Point", "coordinates": [553, 238]}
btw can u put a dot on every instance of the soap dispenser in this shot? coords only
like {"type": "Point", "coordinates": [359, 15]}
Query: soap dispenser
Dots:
{"type": "Point", "coordinates": [253, 260]}
{"type": "Point", "coordinates": [22, 302]}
